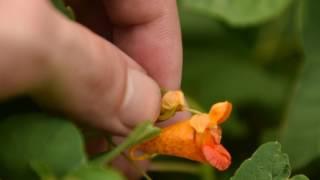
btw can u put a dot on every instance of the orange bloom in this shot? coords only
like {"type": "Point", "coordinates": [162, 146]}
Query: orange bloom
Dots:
{"type": "Point", "coordinates": [172, 101]}
{"type": "Point", "coordinates": [219, 112]}
{"type": "Point", "coordinates": [200, 122]}
{"type": "Point", "coordinates": [196, 139]}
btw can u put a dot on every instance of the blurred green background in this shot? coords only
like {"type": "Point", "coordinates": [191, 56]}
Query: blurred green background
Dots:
{"type": "Point", "coordinates": [252, 53]}
{"type": "Point", "coordinates": [261, 55]}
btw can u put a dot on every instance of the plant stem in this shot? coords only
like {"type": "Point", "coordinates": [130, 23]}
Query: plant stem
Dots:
{"type": "Point", "coordinates": [192, 110]}
{"type": "Point", "coordinates": [175, 167]}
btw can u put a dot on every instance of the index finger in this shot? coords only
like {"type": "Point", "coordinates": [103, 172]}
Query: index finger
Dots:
{"type": "Point", "coordinates": [149, 32]}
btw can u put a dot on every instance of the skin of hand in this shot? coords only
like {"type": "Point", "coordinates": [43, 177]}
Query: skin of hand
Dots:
{"type": "Point", "coordinates": [109, 84]}
{"type": "Point", "coordinates": [105, 71]}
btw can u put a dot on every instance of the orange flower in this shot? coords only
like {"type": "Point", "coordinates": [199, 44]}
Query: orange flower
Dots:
{"type": "Point", "coordinates": [219, 112]}
{"type": "Point", "coordinates": [172, 101]}
{"type": "Point", "coordinates": [196, 139]}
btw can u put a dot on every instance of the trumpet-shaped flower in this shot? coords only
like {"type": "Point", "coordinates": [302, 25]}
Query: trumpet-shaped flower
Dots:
{"type": "Point", "coordinates": [197, 138]}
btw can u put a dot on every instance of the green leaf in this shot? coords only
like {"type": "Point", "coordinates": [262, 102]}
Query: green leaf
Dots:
{"type": "Point", "coordinates": [142, 132]}
{"type": "Point", "coordinates": [66, 10]}
{"type": "Point", "coordinates": [42, 170]}
{"type": "Point", "coordinates": [239, 13]}
{"type": "Point", "coordinates": [299, 177]}
{"type": "Point", "coordinates": [94, 173]}
{"type": "Point", "coordinates": [41, 139]}
{"type": "Point", "coordinates": [301, 133]}
{"type": "Point", "coordinates": [267, 163]}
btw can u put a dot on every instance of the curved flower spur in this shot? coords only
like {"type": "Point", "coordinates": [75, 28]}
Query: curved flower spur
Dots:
{"type": "Point", "coordinates": [197, 138]}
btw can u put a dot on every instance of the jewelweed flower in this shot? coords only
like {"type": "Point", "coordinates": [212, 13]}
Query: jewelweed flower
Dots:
{"type": "Point", "coordinates": [200, 122]}
{"type": "Point", "coordinates": [219, 112]}
{"type": "Point", "coordinates": [172, 101]}
{"type": "Point", "coordinates": [197, 138]}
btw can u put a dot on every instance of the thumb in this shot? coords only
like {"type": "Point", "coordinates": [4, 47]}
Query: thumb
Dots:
{"type": "Point", "coordinates": [87, 77]}
{"type": "Point", "coordinates": [97, 83]}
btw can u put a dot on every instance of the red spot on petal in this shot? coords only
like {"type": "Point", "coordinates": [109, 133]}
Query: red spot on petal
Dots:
{"type": "Point", "coordinates": [217, 156]}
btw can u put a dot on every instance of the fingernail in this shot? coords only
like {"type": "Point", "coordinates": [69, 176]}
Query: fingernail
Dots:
{"type": "Point", "coordinates": [142, 99]}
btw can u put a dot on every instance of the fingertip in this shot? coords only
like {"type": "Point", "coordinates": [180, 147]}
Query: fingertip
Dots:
{"type": "Point", "coordinates": [142, 99]}
{"type": "Point", "coordinates": [153, 37]}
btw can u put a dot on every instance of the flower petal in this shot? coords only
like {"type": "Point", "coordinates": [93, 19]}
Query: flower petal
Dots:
{"type": "Point", "coordinates": [173, 100]}
{"type": "Point", "coordinates": [217, 156]}
{"type": "Point", "coordinates": [216, 133]}
{"type": "Point", "coordinates": [200, 122]}
{"type": "Point", "coordinates": [176, 140]}
{"type": "Point", "coordinates": [219, 112]}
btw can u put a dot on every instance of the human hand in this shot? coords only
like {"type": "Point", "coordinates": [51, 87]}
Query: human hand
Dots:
{"type": "Point", "coordinates": [109, 85]}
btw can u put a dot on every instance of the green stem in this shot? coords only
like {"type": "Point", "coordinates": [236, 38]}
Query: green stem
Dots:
{"type": "Point", "coordinates": [108, 156]}
{"type": "Point", "coordinates": [142, 132]}
{"type": "Point", "coordinates": [193, 111]}
{"type": "Point", "coordinates": [175, 167]}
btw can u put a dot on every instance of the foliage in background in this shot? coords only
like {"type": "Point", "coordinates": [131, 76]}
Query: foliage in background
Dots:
{"type": "Point", "coordinates": [268, 162]}
{"type": "Point", "coordinates": [251, 53]}
{"type": "Point", "coordinates": [48, 147]}
{"type": "Point", "coordinates": [261, 66]}
{"type": "Point", "coordinates": [239, 13]}
{"type": "Point", "coordinates": [66, 10]}
{"type": "Point", "coordinates": [302, 127]}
